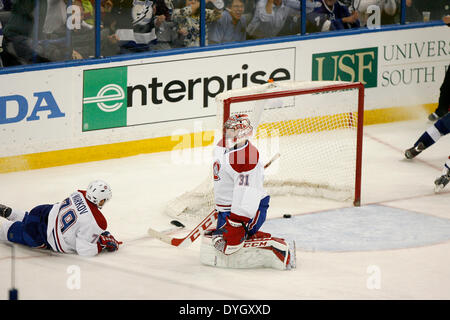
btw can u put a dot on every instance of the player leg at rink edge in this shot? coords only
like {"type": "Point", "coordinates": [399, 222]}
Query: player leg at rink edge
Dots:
{"type": "Point", "coordinates": [74, 225]}
{"type": "Point", "coordinates": [430, 136]}
{"type": "Point", "coordinates": [242, 204]}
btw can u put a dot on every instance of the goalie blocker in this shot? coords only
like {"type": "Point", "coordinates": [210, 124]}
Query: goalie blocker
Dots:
{"type": "Point", "coordinates": [261, 251]}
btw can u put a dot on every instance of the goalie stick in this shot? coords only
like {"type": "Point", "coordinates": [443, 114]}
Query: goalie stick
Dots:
{"type": "Point", "coordinates": [191, 237]}
{"type": "Point", "coordinates": [210, 219]}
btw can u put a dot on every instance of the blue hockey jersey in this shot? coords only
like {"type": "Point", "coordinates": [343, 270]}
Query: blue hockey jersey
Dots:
{"type": "Point", "coordinates": [334, 14]}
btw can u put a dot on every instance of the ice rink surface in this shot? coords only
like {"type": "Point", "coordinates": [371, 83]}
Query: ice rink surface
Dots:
{"type": "Point", "coordinates": [395, 246]}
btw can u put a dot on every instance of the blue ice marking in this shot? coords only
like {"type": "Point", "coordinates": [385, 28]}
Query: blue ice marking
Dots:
{"type": "Point", "coordinates": [366, 228]}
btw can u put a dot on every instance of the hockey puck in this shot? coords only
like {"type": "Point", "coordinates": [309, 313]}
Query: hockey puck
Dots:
{"type": "Point", "coordinates": [286, 216]}
{"type": "Point", "coordinates": [177, 223]}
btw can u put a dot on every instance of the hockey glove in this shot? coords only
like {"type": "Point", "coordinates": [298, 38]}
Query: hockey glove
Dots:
{"type": "Point", "coordinates": [107, 242]}
{"type": "Point", "coordinates": [231, 236]}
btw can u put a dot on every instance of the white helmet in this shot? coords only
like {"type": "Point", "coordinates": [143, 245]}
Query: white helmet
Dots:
{"type": "Point", "coordinates": [241, 129]}
{"type": "Point", "coordinates": [97, 191]}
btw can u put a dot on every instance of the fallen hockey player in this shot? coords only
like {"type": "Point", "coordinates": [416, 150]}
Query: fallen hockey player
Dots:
{"type": "Point", "coordinates": [74, 225]}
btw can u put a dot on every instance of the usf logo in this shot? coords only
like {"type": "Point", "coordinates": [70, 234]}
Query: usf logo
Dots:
{"type": "Point", "coordinates": [352, 65]}
{"type": "Point", "coordinates": [104, 98]}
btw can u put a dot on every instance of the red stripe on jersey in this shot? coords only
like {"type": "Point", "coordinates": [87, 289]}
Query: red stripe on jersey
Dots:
{"type": "Point", "coordinates": [223, 205]}
{"type": "Point", "coordinates": [98, 216]}
{"type": "Point", "coordinates": [244, 159]}
{"type": "Point", "coordinates": [255, 219]}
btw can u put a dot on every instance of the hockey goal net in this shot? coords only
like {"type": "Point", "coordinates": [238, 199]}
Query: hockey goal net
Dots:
{"type": "Point", "coordinates": [315, 127]}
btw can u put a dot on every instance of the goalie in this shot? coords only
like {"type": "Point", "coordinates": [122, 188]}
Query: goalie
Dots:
{"type": "Point", "coordinates": [241, 203]}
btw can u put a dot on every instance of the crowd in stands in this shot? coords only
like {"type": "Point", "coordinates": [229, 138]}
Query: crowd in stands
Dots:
{"type": "Point", "coordinates": [34, 31]}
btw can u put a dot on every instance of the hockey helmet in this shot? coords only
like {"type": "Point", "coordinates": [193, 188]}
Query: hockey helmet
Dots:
{"type": "Point", "coordinates": [237, 129]}
{"type": "Point", "coordinates": [97, 191]}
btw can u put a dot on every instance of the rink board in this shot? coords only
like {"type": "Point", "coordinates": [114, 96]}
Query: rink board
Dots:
{"type": "Point", "coordinates": [95, 112]}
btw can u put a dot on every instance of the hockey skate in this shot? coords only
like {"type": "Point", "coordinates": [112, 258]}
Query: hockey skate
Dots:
{"type": "Point", "coordinates": [414, 151]}
{"type": "Point", "coordinates": [4, 211]}
{"type": "Point", "coordinates": [441, 182]}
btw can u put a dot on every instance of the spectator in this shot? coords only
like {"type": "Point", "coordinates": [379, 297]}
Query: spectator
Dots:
{"type": "Point", "coordinates": [83, 36]}
{"type": "Point", "coordinates": [18, 33]}
{"type": "Point", "coordinates": [143, 24]}
{"type": "Point", "coordinates": [437, 8]}
{"type": "Point", "coordinates": [337, 14]}
{"type": "Point", "coordinates": [166, 32]}
{"type": "Point", "coordinates": [389, 10]}
{"type": "Point", "coordinates": [118, 27]}
{"type": "Point", "coordinates": [5, 11]}
{"type": "Point", "coordinates": [1, 44]}
{"type": "Point", "coordinates": [88, 12]}
{"type": "Point", "coordinates": [129, 26]}
{"type": "Point", "coordinates": [187, 20]}
{"type": "Point", "coordinates": [292, 24]}
{"type": "Point", "coordinates": [231, 27]}
{"type": "Point", "coordinates": [5, 7]}
{"type": "Point", "coordinates": [269, 18]}
{"type": "Point", "coordinates": [446, 20]}
{"type": "Point", "coordinates": [54, 41]}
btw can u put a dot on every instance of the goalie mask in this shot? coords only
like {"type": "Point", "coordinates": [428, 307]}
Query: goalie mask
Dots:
{"type": "Point", "coordinates": [98, 192]}
{"type": "Point", "coordinates": [237, 129]}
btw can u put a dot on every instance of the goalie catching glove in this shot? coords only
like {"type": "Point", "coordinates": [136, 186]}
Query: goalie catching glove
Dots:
{"type": "Point", "coordinates": [107, 242]}
{"type": "Point", "coordinates": [230, 237]}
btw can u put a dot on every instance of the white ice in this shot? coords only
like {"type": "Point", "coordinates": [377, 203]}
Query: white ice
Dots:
{"type": "Point", "coordinates": [146, 268]}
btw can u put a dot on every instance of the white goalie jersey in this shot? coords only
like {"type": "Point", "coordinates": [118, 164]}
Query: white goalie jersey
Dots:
{"type": "Point", "coordinates": [238, 179]}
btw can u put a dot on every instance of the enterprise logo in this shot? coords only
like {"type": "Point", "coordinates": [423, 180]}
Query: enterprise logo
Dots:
{"type": "Point", "coordinates": [108, 93]}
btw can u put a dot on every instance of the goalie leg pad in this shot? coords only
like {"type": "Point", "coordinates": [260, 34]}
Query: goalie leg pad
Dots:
{"type": "Point", "coordinates": [257, 253]}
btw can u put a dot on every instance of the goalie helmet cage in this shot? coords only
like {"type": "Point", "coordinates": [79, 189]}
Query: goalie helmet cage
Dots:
{"type": "Point", "coordinates": [316, 126]}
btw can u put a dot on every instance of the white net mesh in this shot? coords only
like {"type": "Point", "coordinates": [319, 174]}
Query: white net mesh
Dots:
{"type": "Point", "coordinates": [315, 134]}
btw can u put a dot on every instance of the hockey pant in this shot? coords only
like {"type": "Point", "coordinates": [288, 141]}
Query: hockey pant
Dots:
{"type": "Point", "coordinates": [32, 230]}
{"type": "Point", "coordinates": [254, 224]}
{"type": "Point", "coordinates": [435, 132]}
{"type": "Point", "coordinates": [444, 97]}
